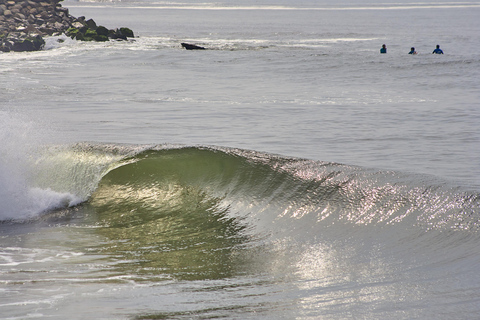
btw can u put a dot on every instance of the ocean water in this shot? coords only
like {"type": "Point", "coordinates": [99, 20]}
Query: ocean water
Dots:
{"type": "Point", "coordinates": [289, 171]}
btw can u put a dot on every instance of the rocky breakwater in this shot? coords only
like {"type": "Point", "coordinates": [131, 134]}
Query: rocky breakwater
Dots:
{"type": "Point", "coordinates": [24, 23]}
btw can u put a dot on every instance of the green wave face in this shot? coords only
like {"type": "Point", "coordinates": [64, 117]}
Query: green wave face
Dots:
{"type": "Point", "coordinates": [162, 219]}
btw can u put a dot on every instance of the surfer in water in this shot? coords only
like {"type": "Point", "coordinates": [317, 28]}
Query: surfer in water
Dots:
{"type": "Point", "coordinates": [438, 50]}
{"type": "Point", "coordinates": [412, 51]}
{"type": "Point", "coordinates": [383, 49]}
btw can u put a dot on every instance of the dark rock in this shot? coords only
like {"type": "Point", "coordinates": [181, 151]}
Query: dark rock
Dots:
{"type": "Point", "coordinates": [4, 48]}
{"type": "Point", "coordinates": [189, 46]}
{"type": "Point", "coordinates": [116, 35]}
{"type": "Point", "coordinates": [29, 44]}
{"type": "Point", "coordinates": [24, 45]}
{"type": "Point", "coordinates": [44, 15]}
{"type": "Point", "coordinates": [102, 31]}
{"type": "Point", "coordinates": [79, 36]}
{"type": "Point", "coordinates": [91, 24]}
{"type": "Point", "coordinates": [83, 29]}
{"type": "Point", "coordinates": [72, 32]}
{"type": "Point", "coordinates": [62, 9]}
{"type": "Point", "coordinates": [100, 38]}
{"type": "Point", "coordinates": [38, 42]}
{"type": "Point", "coordinates": [46, 31]}
{"type": "Point", "coordinates": [90, 35]}
{"type": "Point", "coordinates": [127, 32]}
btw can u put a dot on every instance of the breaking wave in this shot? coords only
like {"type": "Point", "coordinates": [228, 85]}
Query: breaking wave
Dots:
{"type": "Point", "coordinates": [253, 186]}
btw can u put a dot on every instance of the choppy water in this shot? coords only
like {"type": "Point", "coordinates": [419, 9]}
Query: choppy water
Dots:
{"type": "Point", "coordinates": [290, 171]}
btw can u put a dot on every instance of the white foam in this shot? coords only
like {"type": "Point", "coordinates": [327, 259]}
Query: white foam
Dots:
{"type": "Point", "coordinates": [58, 41]}
{"type": "Point", "coordinates": [42, 200]}
{"type": "Point", "coordinates": [14, 256]}
{"type": "Point", "coordinates": [19, 197]}
{"type": "Point", "coordinates": [19, 201]}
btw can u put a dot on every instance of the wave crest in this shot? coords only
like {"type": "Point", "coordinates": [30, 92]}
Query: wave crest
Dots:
{"type": "Point", "coordinates": [258, 188]}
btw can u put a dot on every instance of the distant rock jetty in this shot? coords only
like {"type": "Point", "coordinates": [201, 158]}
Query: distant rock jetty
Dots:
{"type": "Point", "coordinates": [24, 23]}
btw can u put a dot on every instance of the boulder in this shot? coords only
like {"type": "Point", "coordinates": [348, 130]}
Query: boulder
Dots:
{"type": "Point", "coordinates": [25, 45]}
{"type": "Point", "coordinates": [29, 44]}
{"type": "Point", "coordinates": [100, 38]}
{"type": "Point", "coordinates": [72, 32]}
{"type": "Point", "coordinates": [79, 36]}
{"type": "Point", "coordinates": [4, 48]}
{"type": "Point", "coordinates": [77, 25]}
{"type": "Point", "coordinates": [90, 35]}
{"type": "Point", "coordinates": [127, 32]}
{"type": "Point", "coordinates": [62, 9]}
{"type": "Point", "coordinates": [102, 31]}
{"type": "Point", "coordinates": [91, 24]}
{"type": "Point", "coordinates": [116, 35]}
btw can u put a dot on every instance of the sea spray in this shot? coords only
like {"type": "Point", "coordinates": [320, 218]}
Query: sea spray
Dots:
{"type": "Point", "coordinates": [37, 177]}
{"type": "Point", "coordinates": [20, 198]}
{"type": "Point", "coordinates": [56, 42]}
{"type": "Point", "coordinates": [15, 136]}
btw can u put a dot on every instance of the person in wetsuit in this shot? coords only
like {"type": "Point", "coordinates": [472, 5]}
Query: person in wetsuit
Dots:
{"type": "Point", "coordinates": [438, 50]}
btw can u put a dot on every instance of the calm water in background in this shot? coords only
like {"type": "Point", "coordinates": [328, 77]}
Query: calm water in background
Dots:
{"type": "Point", "coordinates": [307, 83]}
{"type": "Point", "coordinates": [301, 79]}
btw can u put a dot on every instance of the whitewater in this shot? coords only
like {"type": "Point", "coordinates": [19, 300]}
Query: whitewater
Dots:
{"type": "Point", "coordinates": [289, 171]}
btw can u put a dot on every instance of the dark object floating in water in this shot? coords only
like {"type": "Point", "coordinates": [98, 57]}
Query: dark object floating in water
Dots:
{"type": "Point", "coordinates": [191, 46]}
